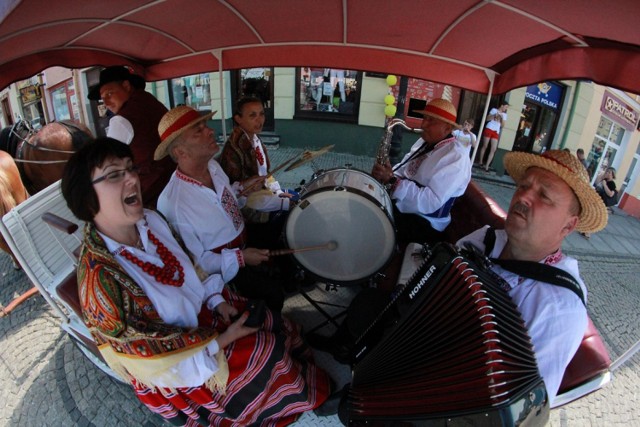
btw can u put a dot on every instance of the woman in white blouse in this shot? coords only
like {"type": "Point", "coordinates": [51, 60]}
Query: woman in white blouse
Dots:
{"type": "Point", "coordinates": [163, 330]}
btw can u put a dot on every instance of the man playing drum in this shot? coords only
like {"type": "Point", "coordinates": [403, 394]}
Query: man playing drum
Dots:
{"type": "Point", "coordinates": [424, 185]}
{"type": "Point", "coordinates": [201, 205]}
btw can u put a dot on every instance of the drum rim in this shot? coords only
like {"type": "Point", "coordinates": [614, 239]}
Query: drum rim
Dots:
{"type": "Point", "coordinates": [368, 196]}
{"type": "Point", "coordinates": [388, 212]}
{"type": "Point", "coordinates": [326, 171]}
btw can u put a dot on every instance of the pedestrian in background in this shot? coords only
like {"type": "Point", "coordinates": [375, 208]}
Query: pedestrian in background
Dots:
{"type": "Point", "coordinates": [497, 117]}
{"type": "Point", "coordinates": [580, 155]}
{"type": "Point", "coordinates": [465, 136]}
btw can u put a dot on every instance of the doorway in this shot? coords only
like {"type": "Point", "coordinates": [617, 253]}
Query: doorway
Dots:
{"type": "Point", "coordinates": [536, 128]}
{"type": "Point", "coordinates": [258, 83]}
{"type": "Point", "coordinates": [6, 112]}
{"type": "Point", "coordinates": [606, 144]}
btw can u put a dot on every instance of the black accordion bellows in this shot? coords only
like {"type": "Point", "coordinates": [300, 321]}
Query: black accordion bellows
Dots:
{"type": "Point", "coordinates": [451, 344]}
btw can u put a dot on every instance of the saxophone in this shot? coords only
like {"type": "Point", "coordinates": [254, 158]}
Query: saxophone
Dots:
{"type": "Point", "coordinates": [382, 155]}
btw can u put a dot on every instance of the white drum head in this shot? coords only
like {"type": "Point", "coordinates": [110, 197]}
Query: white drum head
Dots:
{"type": "Point", "coordinates": [363, 232]}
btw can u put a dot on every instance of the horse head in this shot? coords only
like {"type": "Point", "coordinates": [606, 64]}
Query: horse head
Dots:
{"type": "Point", "coordinates": [12, 136]}
{"type": "Point", "coordinates": [46, 153]}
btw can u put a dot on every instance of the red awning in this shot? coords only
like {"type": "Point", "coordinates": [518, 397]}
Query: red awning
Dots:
{"type": "Point", "coordinates": [465, 43]}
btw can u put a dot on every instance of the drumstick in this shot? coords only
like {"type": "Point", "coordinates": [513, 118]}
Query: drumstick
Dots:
{"type": "Point", "coordinates": [331, 246]}
{"type": "Point", "coordinates": [267, 176]}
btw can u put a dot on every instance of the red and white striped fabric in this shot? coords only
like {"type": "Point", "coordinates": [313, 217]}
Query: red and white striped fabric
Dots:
{"type": "Point", "coordinates": [272, 381]}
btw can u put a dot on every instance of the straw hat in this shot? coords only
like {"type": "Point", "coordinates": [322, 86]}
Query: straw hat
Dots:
{"type": "Point", "coordinates": [118, 73]}
{"type": "Point", "coordinates": [441, 109]}
{"type": "Point", "coordinates": [173, 124]}
{"type": "Point", "coordinates": [567, 167]}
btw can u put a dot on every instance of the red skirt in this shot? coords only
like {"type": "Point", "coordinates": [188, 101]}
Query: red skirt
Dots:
{"type": "Point", "coordinates": [272, 381]}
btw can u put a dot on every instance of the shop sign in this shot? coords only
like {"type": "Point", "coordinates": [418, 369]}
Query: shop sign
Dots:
{"type": "Point", "coordinates": [619, 111]}
{"type": "Point", "coordinates": [29, 94]}
{"type": "Point", "coordinates": [547, 94]}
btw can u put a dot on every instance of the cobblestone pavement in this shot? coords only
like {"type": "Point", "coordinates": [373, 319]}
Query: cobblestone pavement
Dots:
{"type": "Point", "coordinates": [46, 381]}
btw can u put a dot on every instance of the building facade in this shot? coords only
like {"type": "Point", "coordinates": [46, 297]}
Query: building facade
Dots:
{"type": "Point", "coordinates": [601, 121]}
{"type": "Point", "coordinates": [311, 107]}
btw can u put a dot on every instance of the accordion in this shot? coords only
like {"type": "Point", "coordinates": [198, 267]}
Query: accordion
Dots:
{"type": "Point", "coordinates": [450, 349]}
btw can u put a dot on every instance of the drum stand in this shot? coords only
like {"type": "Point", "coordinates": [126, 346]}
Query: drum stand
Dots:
{"type": "Point", "coordinates": [317, 304]}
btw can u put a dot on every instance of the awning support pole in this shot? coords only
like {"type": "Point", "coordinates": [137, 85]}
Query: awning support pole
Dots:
{"type": "Point", "coordinates": [218, 55]}
{"type": "Point", "coordinates": [491, 76]}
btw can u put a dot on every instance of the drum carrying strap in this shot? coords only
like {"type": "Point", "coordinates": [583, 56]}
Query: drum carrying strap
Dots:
{"type": "Point", "coordinates": [533, 270]}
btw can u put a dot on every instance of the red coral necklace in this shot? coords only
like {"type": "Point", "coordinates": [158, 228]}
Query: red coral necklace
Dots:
{"type": "Point", "coordinates": [259, 156]}
{"type": "Point", "coordinates": [165, 274]}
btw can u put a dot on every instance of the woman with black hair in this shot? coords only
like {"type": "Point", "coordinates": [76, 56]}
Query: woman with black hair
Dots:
{"type": "Point", "coordinates": [161, 328]}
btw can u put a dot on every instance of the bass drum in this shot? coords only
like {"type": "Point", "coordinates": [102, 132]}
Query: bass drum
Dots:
{"type": "Point", "coordinates": [352, 209]}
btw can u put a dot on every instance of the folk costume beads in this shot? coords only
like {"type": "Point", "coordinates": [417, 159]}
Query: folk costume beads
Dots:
{"type": "Point", "coordinates": [167, 272]}
{"type": "Point", "coordinates": [259, 156]}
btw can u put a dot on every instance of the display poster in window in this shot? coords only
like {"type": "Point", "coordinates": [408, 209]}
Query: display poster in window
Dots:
{"type": "Point", "coordinates": [328, 93]}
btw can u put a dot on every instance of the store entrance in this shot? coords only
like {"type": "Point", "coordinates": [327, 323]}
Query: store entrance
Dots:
{"type": "Point", "coordinates": [535, 129]}
{"type": "Point", "coordinates": [256, 82]}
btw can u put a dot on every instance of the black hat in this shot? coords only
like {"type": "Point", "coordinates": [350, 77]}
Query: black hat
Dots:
{"type": "Point", "coordinates": [117, 73]}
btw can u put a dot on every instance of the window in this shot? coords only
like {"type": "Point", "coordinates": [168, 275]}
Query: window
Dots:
{"type": "Point", "coordinates": [605, 146]}
{"type": "Point", "coordinates": [64, 101]}
{"type": "Point", "coordinates": [328, 94]}
{"type": "Point", "coordinates": [60, 106]}
{"type": "Point", "coordinates": [193, 91]}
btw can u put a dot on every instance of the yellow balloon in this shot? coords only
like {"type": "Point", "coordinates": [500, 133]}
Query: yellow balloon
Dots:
{"type": "Point", "coordinates": [392, 80]}
{"type": "Point", "coordinates": [389, 99]}
{"type": "Point", "coordinates": [390, 110]}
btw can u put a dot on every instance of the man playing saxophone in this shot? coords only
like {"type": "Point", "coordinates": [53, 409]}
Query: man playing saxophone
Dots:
{"type": "Point", "coordinates": [424, 185]}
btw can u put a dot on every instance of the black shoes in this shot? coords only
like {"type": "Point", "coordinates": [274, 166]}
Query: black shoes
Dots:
{"type": "Point", "coordinates": [340, 352]}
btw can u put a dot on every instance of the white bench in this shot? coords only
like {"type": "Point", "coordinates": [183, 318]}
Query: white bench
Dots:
{"type": "Point", "coordinates": [47, 258]}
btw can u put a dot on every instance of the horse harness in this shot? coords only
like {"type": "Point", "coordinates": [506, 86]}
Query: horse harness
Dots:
{"type": "Point", "coordinates": [78, 137]}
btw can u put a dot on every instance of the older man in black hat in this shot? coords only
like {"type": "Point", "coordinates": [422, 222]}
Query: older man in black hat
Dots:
{"type": "Point", "coordinates": [137, 114]}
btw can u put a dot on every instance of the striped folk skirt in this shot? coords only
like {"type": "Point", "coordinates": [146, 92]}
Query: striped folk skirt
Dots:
{"type": "Point", "coordinates": [272, 381]}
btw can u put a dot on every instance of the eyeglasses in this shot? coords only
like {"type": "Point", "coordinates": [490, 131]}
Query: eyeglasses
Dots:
{"type": "Point", "coordinates": [117, 176]}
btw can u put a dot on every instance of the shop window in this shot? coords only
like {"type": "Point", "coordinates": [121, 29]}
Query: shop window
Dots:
{"type": "Point", "coordinates": [193, 91]}
{"type": "Point", "coordinates": [328, 94]}
{"type": "Point", "coordinates": [60, 105]}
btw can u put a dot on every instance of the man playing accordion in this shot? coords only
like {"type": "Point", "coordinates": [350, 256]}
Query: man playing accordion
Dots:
{"type": "Point", "coordinates": [553, 198]}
